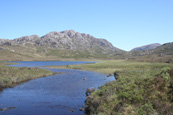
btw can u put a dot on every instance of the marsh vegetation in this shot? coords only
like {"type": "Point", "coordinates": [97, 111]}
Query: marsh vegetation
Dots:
{"type": "Point", "coordinates": [10, 76]}
{"type": "Point", "coordinates": [142, 88]}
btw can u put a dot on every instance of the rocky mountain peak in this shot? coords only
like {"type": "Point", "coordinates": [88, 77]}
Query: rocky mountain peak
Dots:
{"type": "Point", "coordinates": [52, 34]}
{"type": "Point", "coordinates": [69, 33]}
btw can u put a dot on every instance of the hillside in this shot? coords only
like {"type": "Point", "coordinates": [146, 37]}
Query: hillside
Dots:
{"type": "Point", "coordinates": [134, 94]}
{"type": "Point", "coordinates": [57, 45]}
{"type": "Point", "coordinates": [165, 49]}
{"type": "Point", "coordinates": [146, 47]}
{"type": "Point", "coordinates": [163, 53]}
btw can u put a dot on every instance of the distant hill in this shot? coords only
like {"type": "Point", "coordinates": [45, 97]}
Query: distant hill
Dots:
{"type": "Point", "coordinates": [165, 49]}
{"type": "Point", "coordinates": [163, 53]}
{"type": "Point", "coordinates": [57, 45]}
{"type": "Point", "coordinates": [146, 47]}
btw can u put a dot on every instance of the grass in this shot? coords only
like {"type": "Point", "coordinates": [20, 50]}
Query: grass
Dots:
{"type": "Point", "coordinates": [141, 89]}
{"type": "Point", "coordinates": [121, 66]}
{"type": "Point", "coordinates": [10, 76]}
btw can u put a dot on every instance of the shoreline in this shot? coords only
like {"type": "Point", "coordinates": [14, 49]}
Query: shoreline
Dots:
{"type": "Point", "coordinates": [26, 80]}
{"type": "Point", "coordinates": [12, 76]}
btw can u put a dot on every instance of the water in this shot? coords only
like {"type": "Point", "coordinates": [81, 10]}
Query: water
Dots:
{"type": "Point", "coordinates": [51, 95]}
{"type": "Point", "coordinates": [45, 63]}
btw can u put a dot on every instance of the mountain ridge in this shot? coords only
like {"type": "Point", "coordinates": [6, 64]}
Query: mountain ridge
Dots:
{"type": "Point", "coordinates": [146, 47]}
{"type": "Point", "coordinates": [64, 44]}
{"type": "Point", "coordinates": [68, 39]}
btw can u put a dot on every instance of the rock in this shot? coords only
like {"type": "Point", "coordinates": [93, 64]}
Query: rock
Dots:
{"type": "Point", "coordinates": [89, 91]}
{"type": "Point", "coordinates": [5, 109]}
{"type": "Point", "coordinates": [3, 41]}
{"type": "Point", "coordinates": [72, 110]}
{"type": "Point", "coordinates": [10, 86]}
{"type": "Point", "coordinates": [116, 75]}
{"type": "Point", "coordinates": [81, 109]}
{"type": "Point", "coordinates": [27, 39]}
{"type": "Point", "coordinates": [109, 75]}
{"type": "Point", "coordinates": [84, 78]}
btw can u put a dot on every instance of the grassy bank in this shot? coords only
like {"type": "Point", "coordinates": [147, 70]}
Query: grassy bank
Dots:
{"type": "Point", "coordinates": [141, 89]}
{"type": "Point", "coordinates": [124, 68]}
{"type": "Point", "coordinates": [10, 76]}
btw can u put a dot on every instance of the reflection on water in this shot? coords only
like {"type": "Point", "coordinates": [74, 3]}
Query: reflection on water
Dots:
{"type": "Point", "coordinates": [52, 95]}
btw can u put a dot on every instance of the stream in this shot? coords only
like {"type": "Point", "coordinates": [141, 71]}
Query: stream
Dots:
{"type": "Point", "coordinates": [52, 95]}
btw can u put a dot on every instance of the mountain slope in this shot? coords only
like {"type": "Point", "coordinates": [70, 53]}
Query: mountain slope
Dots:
{"type": "Point", "coordinates": [165, 49]}
{"type": "Point", "coordinates": [163, 53]}
{"type": "Point", "coordinates": [146, 47]}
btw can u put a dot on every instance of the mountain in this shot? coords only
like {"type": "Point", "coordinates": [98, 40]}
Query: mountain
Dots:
{"type": "Point", "coordinates": [147, 47]}
{"type": "Point", "coordinates": [165, 49]}
{"type": "Point", "coordinates": [58, 45]}
{"type": "Point", "coordinates": [162, 53]}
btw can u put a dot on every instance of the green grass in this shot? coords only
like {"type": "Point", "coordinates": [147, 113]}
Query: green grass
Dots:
{"type": "Point", "coordinates": [10, 76]}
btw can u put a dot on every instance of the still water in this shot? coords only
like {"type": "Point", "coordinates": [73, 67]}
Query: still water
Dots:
{"type": "Point", "coordinates": [52, 95]}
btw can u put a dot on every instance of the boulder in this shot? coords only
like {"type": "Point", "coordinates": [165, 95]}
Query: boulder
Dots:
{"type": "Point", "coordinates": [89, 91]}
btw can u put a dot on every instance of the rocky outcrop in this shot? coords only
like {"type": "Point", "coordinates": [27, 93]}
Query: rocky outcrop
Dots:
{"type": "Point", "coordinates": [27, 39]}
{"type": "Point", "coordinates": [3, 41]}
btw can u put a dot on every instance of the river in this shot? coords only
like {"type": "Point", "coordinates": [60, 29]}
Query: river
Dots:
{"type": "Point", "coordinates": [52, 95]}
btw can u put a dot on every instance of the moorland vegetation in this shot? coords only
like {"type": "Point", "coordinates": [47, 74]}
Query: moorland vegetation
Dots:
{"type": "Point", "coordinates": [142, 88]}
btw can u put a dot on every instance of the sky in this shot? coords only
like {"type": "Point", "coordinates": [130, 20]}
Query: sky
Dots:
{"type": "Point", "coordinates": [124, 23]}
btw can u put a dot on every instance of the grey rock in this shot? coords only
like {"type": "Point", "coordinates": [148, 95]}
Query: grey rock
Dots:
{"type": "Point", "coordinates": [27, 39]}
{"type": "Point", "coordinates": [3, 41]}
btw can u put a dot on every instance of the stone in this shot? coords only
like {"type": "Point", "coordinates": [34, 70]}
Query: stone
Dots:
{"type": "Point", "coordinates": [81, 109]}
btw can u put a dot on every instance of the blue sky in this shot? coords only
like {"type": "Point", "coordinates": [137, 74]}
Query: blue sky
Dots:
{"type": "Point", "coordinates": [124, 23]}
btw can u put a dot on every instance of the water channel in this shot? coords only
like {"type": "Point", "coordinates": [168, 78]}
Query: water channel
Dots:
{"type": "Point", "coordinates": [52, 95]}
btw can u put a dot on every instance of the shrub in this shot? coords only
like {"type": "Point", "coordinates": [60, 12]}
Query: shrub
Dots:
{"type": "Point", "coordinates": [141, 95]}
